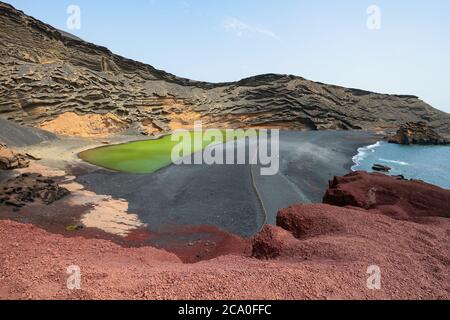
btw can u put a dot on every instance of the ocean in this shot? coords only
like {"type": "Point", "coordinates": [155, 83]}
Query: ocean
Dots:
{"type": "Point", "coordinates": [428, 163]}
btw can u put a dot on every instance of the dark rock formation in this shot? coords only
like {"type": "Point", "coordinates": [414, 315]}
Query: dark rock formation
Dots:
{"type": "Point", "coordinates": [339, 236]}
{"type": "Point", "coordinates": [306, 232]}
{"type": "Point", "coordinates": [29, 188]}
{"type": "Point", "coordinates": [359, 204]}
{"type": "Point", "coordinates": [380, 167]}
{"type": "Point", "coordinates": [398, 198]}
{"type": "Point", "coordinates": [418, 133]}
{"type": "Point", "coordinates": [309, 223]}
{"type": "Point", "coordinates": [10, 160]}
{"type": "Point", "coordinates": [46, 73]}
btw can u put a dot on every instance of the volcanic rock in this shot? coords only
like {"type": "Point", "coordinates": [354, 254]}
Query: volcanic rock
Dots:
{"type": "Point", "coordinates": [417, 133]}
{"type": "Point", "coordinates": [29, 188]}
{"type": "Point", "coordinates": [272, 242]}
{"type": "Point", "coordinates": [10, 160]}
{"type": "Point", "coordinates": [380, 167]}
{"type": "Point", "coordinates": [47, 74]}
{"type": "Point", "coordinates": [315, 221]}
{"type": "Point", "coordinates": [401, 199]}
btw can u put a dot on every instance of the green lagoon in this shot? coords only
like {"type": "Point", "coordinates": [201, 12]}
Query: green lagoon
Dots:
{"type": "Point", "coordinates": [148, 156]}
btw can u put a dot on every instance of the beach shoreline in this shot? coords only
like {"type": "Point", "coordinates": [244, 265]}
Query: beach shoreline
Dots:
{"type": "Point", "coordinates": [195, 261]}
{"type": "Point", "coordinates": [100, 195]}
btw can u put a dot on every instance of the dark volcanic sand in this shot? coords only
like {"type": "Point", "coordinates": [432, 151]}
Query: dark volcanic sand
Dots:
{"type": "Point", "coordinates": [16, 135]}
{"type": "Point", "coordinates": [223, 195]}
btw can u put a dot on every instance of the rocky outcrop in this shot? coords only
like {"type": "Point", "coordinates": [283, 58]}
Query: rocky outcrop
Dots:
{"type": "Point", "coordinates": [418, 133]}
{"type": "Point", "coordinates": [358, 204]}
{"type": "Point", "coordinates": [392, 196]}
{"type": "Point", "coordinates": [10, 160]}
{"type": "Point", "coordinates": [272, 242]}
{"type": "Point", "coordinates": [46, 73]}
{"type": "Point", "coordinates": [381, 168]}
{"type": "Point", "coordinates": [30, 188]}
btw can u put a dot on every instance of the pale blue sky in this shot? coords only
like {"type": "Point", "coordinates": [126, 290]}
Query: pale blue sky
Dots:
{"type": "Point", "coordinates": [322, 40]}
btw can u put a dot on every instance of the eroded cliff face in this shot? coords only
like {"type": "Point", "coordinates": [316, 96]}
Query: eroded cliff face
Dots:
{"type": "Point", "coordinates": [45, 73]}
{"type": "Point", "coordinates": [418, 133]}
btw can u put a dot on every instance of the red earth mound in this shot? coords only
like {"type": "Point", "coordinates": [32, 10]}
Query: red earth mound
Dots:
{"type": "Point", "coordinates": [395, 197]}
{"type": "Point", "coordinates": [317, 262]}
{"type": "Point", "coordinates": [344, 237]}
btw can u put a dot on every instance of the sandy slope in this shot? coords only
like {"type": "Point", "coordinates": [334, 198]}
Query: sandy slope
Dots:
{"type": "Point", "coordinates": [16, 135]}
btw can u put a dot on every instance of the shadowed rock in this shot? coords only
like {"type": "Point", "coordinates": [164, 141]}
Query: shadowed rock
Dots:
{"type": "Point", "coordinates": [29, 188]}
{"type": "Point", "coordinates": [381, 168]}
{"type": "Point", "coordinates": [16, 135]}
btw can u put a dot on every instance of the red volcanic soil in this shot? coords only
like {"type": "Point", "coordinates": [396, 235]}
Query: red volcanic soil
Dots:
{"type": "Point", "coordinates": [315, 252]}
{"type": "Point", "coordinates": [398, 198]}
{"type": "Point", "coordinates": [213, 244]}
{"type": "Point", "coordinates": [326, 256]}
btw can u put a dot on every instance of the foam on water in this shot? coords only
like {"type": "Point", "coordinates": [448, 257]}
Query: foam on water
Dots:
{"type": "Point", "coordinates": [363, 153]}
{"type": "Point", "coordinates": [428, 163]}
{"type": "Point", "coordinates": [402, 163]}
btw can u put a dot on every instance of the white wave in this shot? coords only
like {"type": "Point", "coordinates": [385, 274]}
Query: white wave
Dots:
{"type": "Point", "coordinates": [402, 163]}
{"type": "Point", "coordinates": [363, 153]}
{"type": "Point", "coordinates": [373, 146]}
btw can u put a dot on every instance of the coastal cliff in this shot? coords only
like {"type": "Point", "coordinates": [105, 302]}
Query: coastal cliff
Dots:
{"type": "Point", "coordinates": [418, 133]}
{"type": "Point", "coordinates": [47, 74]}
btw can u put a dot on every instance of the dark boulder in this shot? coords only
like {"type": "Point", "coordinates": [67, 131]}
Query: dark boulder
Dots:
{"type": "Point", "coordinates": [381, 168]}
{"type": "Point", "coordinates": [29, 188]}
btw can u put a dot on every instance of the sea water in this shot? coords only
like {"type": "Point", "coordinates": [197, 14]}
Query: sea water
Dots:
{"type": "Point", "coordinates": [428, 163]}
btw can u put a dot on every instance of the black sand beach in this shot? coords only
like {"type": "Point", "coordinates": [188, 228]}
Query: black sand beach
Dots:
{"type": "Point", "coordinates": [17, 135]}
{"type": "Point", "coordinates": [224, 195]}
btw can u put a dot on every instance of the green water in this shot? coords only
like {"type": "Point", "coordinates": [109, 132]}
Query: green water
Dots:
{"type": "Point", "coordinates": [151, 155]}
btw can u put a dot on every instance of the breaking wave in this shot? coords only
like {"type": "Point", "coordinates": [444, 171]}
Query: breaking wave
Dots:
{"type": "Point", "coordinates": [363, 153]}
